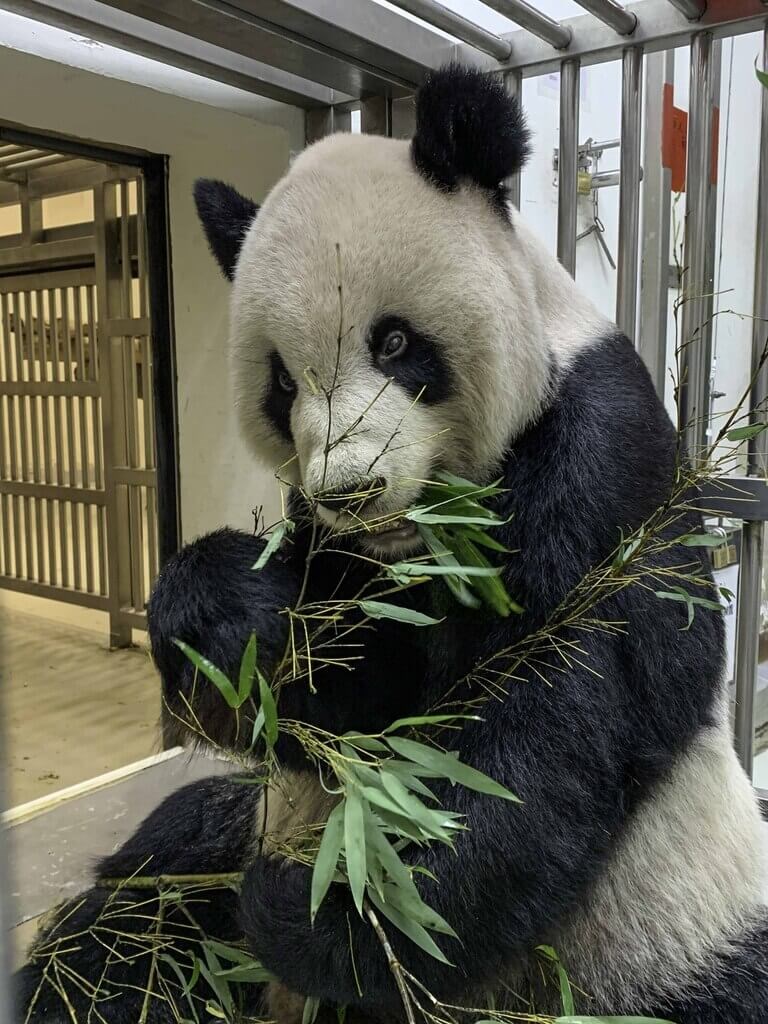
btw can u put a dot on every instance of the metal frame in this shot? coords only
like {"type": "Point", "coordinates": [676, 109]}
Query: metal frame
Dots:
{"type": "Point", "coordinates": [131, 241]}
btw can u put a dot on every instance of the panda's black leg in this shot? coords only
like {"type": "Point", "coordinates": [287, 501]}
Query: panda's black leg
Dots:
{"type": "Point", "coordinates": [732, 990]}
{"type": "Point", "coordinates": [97, 955]}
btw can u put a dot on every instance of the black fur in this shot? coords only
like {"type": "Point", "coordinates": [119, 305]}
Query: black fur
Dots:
{"type": "Point", "coordinates": [423, 371]}
{"type": "Point", "coordinates": [205, 827]}
{"type": "Point", "coordinates": [225, 216]}
{"type": "Point", "coordinates": [277, 402]}
{"type": "Point", "coordinates": [468, 128]}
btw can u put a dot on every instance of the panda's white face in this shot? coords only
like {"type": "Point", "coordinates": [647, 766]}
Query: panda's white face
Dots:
{"type": "Point", "coordinates": [383, 329]}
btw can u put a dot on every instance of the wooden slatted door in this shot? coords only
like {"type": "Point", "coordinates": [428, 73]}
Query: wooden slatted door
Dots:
{"type": "Point", "coordinates": [78, 487]}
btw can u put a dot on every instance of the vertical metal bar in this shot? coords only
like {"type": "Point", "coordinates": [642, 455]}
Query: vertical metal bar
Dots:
{"type": "Point", "coordinates": [657, 208]}
{"type": "Point", "coordinates": [629, 190]}
{"type": "Point", "coordinates": [758, 446]}
{"type": "Point", "coordinates": [513, 82]}
{"type": "Point", "coordinates": [326, 121]}
{"type": "Point", "coordinates": [747, 638]}
{"type": "Point", "coordinates": [376, 115]}
{"type": "Point", "coordinates": [49, 414]}
{"type": "Point", "coordinates": [568, 164]}
{"type": "Point", "coordinates": [696, 334]}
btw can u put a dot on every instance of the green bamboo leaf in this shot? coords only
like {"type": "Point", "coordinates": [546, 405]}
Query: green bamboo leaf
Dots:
{"type": "Point", "coordinates": [244, 974]}
{"type": "Point", "coordinates": [405, 723]}
{"type": "Point", "coordinates": [273, 543]}
{"type": "Point", "coordinates": [566, 994]}
{"type": "Point", "coordinates": [413, 569]}
{"type": "Point", "coordinates": [311, 1007]}
{"type": "Point", "coordinates": [408, 901]}
{"type": "Point", "coordinates": [327, 858]}
{"type": "Point", "coordinates": [450, 767]}
{"type": "Point", "coordinates": [762, 77]}
{"type": "Point", "coordinates": [383, 610]}
{"type": "Point", "coordinates": [431, 822]}
{"type": "Point", "coordinates": [611, 1020]}
{"type": "Point", "coordinates": [702, 540]}
{"type": "Point", "coordinates": [416, 515]}
{"type": "Point", "coordinates": [747, 432]}
{"type": "Point", "coordinates": [400, 825]}
{"type": "Point", "coordinates": [211, 672]}
{"type": "Point", "coordinates": [269, 709]}
{"type": "Point", "coordinates": [414, 931]}
{"type": "Point", "coordinates": [380, 799]}
{"type": "Point", "coordinates": [247, 670]}
{"type": "Point", "coordinates": [231, 953]}
{"type": "Point", "coordinates": [479, 537]}
{"type": "Point", "coordinates": [408, 779]}
{"type": "Point", "coordinates": [365, 742]}
{"type": "Point", "coordinates": [386, 854]}
{"type": "Point", "coordinates": [258, 725]}
{"type": "Point", "coordinates": [354, 846]}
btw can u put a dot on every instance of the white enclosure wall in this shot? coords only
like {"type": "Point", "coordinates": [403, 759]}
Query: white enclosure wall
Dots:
{"type": "Point", "coordinates": [219, 481]}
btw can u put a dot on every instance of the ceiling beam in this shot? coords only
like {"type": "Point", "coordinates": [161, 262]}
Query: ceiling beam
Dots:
{"type": "Point", "coordinates": [124, 31]}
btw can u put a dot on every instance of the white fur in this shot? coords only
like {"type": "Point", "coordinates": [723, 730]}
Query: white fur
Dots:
{"type": "Point", "coordinates": [686, 878]}
{"type": "Point", "coordinates": [353, 212]}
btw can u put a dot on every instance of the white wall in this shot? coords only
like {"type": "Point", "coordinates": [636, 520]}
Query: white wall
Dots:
{"type": "Point", "coordinates": [219, 481]}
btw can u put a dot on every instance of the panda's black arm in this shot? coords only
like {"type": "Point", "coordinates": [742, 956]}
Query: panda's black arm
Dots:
{"type": "Point", "coordinates": [515, 872]}
{"type": "Point", "coordinates": [205, 827]}
{"type": "Point", "coordinates": [209, 596]}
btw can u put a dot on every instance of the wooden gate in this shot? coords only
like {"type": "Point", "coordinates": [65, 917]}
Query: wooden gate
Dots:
{"type": "Point", "coordinates": [78, 488]}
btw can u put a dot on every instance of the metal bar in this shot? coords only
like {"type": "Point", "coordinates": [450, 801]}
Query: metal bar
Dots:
{"type": "Point", "coordinates": [747, 638]}
{"type": "Point", "coordinates": [659, 27]}
{"type": "Point", "coordinates": [758, 446]}
{"type": "Point", "coordinates": [533, 21]}
{"type": "Point", "coordinates": [655, 234]}
{"type": "Point", "coordinates": [695, 337]}
{"type": "Point", "coordinates": [7, 914]}
{"type": "Point", "coordinates": [354, 48]}
{"type": "Point", "coordinates": [568, 165]}
{"type": "Point", "coordinates": [89, 495]}
{"type": "Point", "coordinates": [376, 115]}
{"type": "Point", "coordinates": [325, 121]}
{"type": "Point", "coordinates": [455, 25]}
{"type": "Point", "coordinates": [629, 191]}
{"type": "Point", "coordinates": [692, 9]}
{"type": "Point", "coordinates": [176, 49]}
{"type": "Point", "coordinates": [611, 13]}
{"type": "Point", "coordinates": [513, 82]}
{"type": "Point", "coordinates": [64, 250]}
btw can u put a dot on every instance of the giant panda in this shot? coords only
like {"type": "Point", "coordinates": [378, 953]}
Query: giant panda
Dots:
{"type": "Point", "coordinates": [399, 274]}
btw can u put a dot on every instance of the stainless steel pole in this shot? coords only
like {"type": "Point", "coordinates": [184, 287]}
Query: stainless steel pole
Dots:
{"type": "Point", "coordinates": [751, 567]}
{"type": "Point", "coordinates": [692, 9]}
{"type": "Point", "coordinates": [696, 331]}
{"type": "Point", "coordinates": [568, 164]}
{"type": "Point", "coordinates": [657, 208]}
{"type": "Point", "coordinates": [513, 80]}
{"type": "Point", "coordinates": [758, 446]}
{"type": "Point", "coordinates": [533, 21]}
{"type": "Point", "coordinates": [747, 639]}
{"type": "Point", "coordinates": [455, 25]}
{"type": "Point", "coordinates": [629, 191]}
{"type": "Point", "coordinates": [611, 13]}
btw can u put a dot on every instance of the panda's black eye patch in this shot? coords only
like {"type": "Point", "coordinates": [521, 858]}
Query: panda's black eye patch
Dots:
{"type": "Point", "coordinates": [411, 358]}
{"type": "Point", "coordinates": [279, 397]}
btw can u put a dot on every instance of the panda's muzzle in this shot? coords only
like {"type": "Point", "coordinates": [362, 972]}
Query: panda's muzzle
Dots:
{"type": "Point", "coordinates": [352, 497]}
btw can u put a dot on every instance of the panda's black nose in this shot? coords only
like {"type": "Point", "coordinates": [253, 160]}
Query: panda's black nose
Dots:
{"type": "Point", "coordinates": [352, 496]}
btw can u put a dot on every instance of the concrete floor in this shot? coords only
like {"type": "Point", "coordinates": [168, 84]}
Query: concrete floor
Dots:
{"type": "Point", "coordinates": [72, 708]}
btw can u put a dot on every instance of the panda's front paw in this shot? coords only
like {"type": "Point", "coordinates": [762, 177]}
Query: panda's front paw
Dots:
{"type": "Point", "coordinates": [308, 957]}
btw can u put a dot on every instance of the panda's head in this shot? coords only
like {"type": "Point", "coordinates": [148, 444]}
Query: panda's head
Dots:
{"type": "Point", "coordinates": [385, 322]}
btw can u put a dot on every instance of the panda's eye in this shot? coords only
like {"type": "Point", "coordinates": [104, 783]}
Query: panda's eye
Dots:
{"type": "Point", "coordinates": [394, 345]}
{"type": "Point", "coordinates": [286, 382]}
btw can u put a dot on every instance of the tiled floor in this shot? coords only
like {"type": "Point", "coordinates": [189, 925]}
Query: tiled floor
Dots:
{"type": "Point", "coordinates": [72, 708]}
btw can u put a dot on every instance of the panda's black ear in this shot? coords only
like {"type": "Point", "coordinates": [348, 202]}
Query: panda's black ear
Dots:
{"type": "Point", "coordinates": [468, 127]}
{"type": "Point", "coordinates": [225, 216]}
